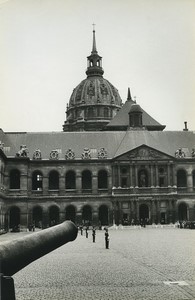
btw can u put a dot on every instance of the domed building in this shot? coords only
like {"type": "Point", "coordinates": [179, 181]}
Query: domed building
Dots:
{"type": "Point", "coordinates": [95, 101]}
{"type": "Point", "coordinates": [112, 164]}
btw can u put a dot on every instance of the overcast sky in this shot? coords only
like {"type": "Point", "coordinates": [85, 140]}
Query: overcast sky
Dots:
{"type": "Point", "coordinates": [147, 45]}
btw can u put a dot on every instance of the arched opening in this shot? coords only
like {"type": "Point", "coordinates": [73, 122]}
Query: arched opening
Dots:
{"type": "Point", "coordinates": [53, 215]}
{"type": "Point", "coordinates": [37, 181]}
{"type": "Point", "coordinates": [37, 216]}
{"type": "Point", "coordinates": [14, 218]}
{"type": "Point", "coordinates": [143, 213]}
{"type": "Point", "coordinates": [103, 215]}
{"type": "Point", "coordinates": [106, 112]}
{"type": "Point", "coordinates": [87, 215]}
{"type": "Point", "coordinates": [102, 179]}
{"type": "Point", "coordinates": [53, 180]}
{"type": "Point", "coordinates": [70, 213]}
{"type": "Point", "coordinates": [14, 179]}
{"type": "Point", "coordinates": [70, 180]}
{"type": "Point", "coordinates": [124, 177]}
{"type": "Point", "coordinates": [181, 178]}
{"type": "Point", "coordinates": [182, 212]}
{"type": "Point", "coordinates": [193, 176]}
{"type": "Point", "coordinates": [143, 178]}
{"type": "Point", "coordinates": [86, 180]}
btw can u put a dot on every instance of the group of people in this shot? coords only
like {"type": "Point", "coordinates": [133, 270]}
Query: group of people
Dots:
{"type": "Point", "coordinates": [94, 234]}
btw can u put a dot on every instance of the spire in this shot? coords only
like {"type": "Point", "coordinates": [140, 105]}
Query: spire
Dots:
{"type": "Point", "coordinates": [129, 94]}
{"type": "Point", "coordinates": [94, 49]}
{"type": "Point", "coordinates": [94, 67]}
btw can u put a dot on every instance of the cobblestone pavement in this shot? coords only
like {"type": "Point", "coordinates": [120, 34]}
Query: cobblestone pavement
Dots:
{"type": "Point", "coordinates": [144, 263]}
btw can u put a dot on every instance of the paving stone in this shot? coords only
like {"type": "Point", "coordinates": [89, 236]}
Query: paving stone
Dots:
{"type": "Point", "coordinates": [135, 267]}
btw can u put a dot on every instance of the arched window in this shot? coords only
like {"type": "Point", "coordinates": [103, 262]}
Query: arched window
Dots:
{"type": "Point", "coordinates": [37, 216]}
{"type": "Point", "coordinates": [193, 175]}
{"type": "Point", "coordinates": [70, 180]}
{"type": "Point", "coordinates": [102, 179]}
{"type": "Point", "coordinates": [86, 180]}
{"type": "Point", "coordinates": [14, 218]}
{"type": "Point", "coordinates": [87, 215]}
{"type": "Point", "coordinates": [53, 180]}
{"type": "Point", "coordinates": [37, 181]}
{"type": "Point", "coordinates": [103, 215]}
{"type": "Point", "coordinates": [181, 178]}
{"type": "Point", "coordinates": [14, 182]}
{"type": "Point", "coordinates": [182, 212]}
{"type": "Point", "coordinates": [70, 213]}
{"type": "Point", "coordinates": [53, 215]}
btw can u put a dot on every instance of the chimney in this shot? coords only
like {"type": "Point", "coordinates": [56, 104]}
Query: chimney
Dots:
{"type": "Point", "coordinates": [186, 126]}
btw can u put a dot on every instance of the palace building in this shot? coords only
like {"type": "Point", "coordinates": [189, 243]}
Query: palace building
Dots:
{"type": "Point", "coordinates": [112, 164]}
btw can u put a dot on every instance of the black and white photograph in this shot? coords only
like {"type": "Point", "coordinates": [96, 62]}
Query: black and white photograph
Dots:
{"type": "Point", "coordinates": [97, 150]}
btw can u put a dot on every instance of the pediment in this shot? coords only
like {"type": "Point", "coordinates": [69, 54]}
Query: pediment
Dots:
{"type": "Point", "coordinates": [144, 153]}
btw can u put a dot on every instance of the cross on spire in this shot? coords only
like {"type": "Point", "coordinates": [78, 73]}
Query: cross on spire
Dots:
{"type": "Point", "coordinates": [93, 26]}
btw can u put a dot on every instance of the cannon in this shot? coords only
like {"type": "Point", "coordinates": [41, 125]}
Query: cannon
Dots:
{"type": "Point", "coordinates": [17, 254]}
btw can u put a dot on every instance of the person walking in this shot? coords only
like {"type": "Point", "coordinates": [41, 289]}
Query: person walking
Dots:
{"type": "Point", "coordinates": [107, 239]}
{"type": "Point", "coordinates": [86, 230]}
{"type": "Point", "coordinates": [93, 234]}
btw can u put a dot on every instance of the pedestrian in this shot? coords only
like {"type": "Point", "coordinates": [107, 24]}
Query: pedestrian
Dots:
{"type": "Point", "coordinates": [93, 234]}
{"type": "Point", "coordinates": [86, 230]}
{"type": "Point", "coordinates": [107, 239]}
{"type": "Point", "coordinates": [81, 229]}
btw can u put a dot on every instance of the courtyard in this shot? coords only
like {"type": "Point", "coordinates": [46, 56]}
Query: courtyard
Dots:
{"type": "Point", "coordinates": [141, 263]}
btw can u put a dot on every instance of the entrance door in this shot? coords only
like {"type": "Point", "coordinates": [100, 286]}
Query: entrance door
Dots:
{"type": "Point", "coordinates": [144, 213]}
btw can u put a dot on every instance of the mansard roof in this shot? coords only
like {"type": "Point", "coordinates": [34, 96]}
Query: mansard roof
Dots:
{"type": "Point", "coordinates": [115, 143]}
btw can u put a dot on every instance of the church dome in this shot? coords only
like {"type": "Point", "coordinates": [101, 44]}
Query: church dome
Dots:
{"type": "Point", "coordinates": [95, 101]}
{"type": "Point", "coordinates": [95, 90]}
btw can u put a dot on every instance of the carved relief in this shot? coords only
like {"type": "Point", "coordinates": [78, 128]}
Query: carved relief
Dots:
{"type": "Point", "coordinates": [102, 153]}
{"type": "Point", "coordinates": [103, 89]}
{"type": "Point", "coordinates": [179, 153]}
{"type": "Point", "coordinates": [91, 89]}
{"type": "Point", "coordinates": [70, 154]}
{"type": "Point", "coordinates": [193, 152]}
{"type": "Point", "coordinates": [86, 154]}
{"type": "Point", "coordinates": [37, 154]}
{"type": "Point", "coordinates": [54, 154]}
{"type": "Point", "coordinates": [23, 152]}
{"type": "Point", "coordinates": [144, 153]}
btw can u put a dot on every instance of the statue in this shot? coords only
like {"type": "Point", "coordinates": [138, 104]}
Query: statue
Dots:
{"type": "Point", "coordinates": [179, 153]}
{"type": "Point", "coordinates": [193, 152]}
{"type": "Point", "coordinates": [1, 145]}
{"type": "Point", "coordinates": [23, 152]}
{"type": "Point", "coordinates": [37, 154]}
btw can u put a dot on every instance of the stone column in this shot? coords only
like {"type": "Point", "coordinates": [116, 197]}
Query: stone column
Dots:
{"type": "Point", "coordinates": [78, 183]}
{"type": "Point", "coordinates": [23, 183]}
{"type": "Point", "coordinates": [110, 182]}
{"type": "Point", "coordinates": [61, 185]}
{"type": "Point", "coordinates": [94, 183]}
{"type": "Point", "coordinates": [189, 182]}
{"type": "Point", "coordinates": [136, 176]}
{"type": "Point", "coordinates": [151, 175]}
{"type": "Point", "coordinates": [157, 179]}
{"type": "Point", "coordinates": [168, 175]}
{"type": "Point", "coordinates": [153, 215]}
{"type": "Point", "coordinates": [174, 176]}
{"type": "Point", "coordinates": [119, 175]}
{"type": "Point", "coordinates": [131, 175]}
{"type": "Point", "coordinates": [45, 186]}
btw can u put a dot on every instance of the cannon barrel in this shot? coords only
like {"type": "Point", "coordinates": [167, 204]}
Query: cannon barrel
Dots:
{"type": "Point", "coordinates": [17, 254]}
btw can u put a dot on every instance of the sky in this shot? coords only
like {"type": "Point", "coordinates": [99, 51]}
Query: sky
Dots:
{"type": "Point", "coordinates": [147, 45]}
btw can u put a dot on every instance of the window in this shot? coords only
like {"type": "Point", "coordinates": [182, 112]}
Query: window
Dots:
{"type": "Point", "coordinates": [86, 180]}
{"type": "Point", "coordinates": [53, 180]}
{"type": "Point", "coordinates": [102, 179]}
{"type": "Point", "coordinates": [14, 179]}
{"type": "Point", "coordinates": [37, 182]}
{"type": "Point", "coordinates": [70, 180]}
